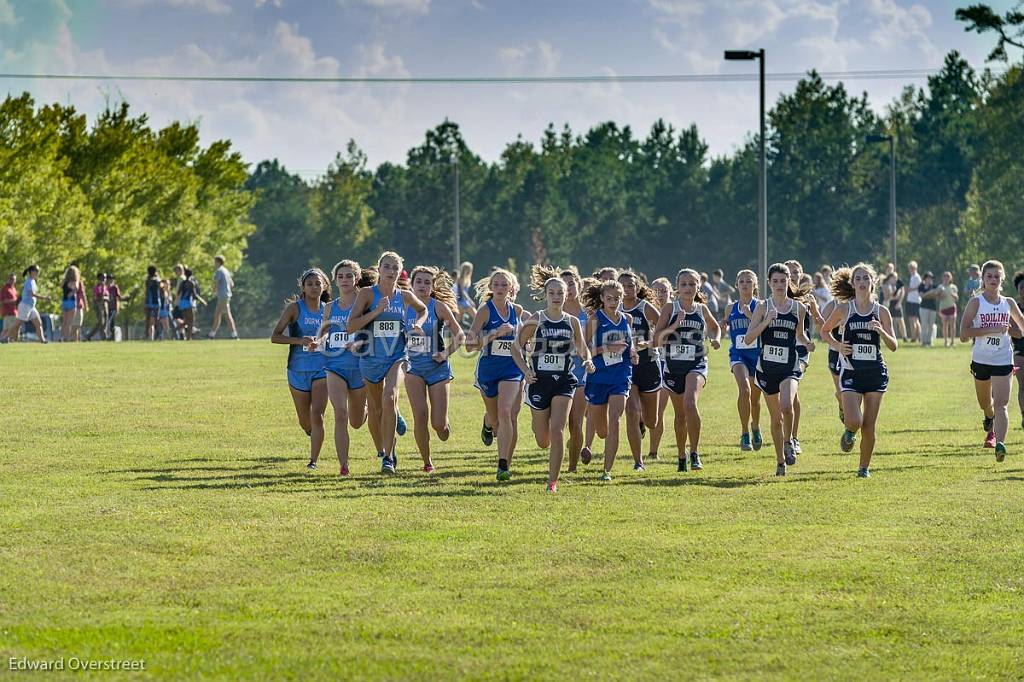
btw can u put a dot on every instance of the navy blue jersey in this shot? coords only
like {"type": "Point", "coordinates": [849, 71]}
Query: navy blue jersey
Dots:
{"type": "Point", "coordinates": [642, 330]}
{"type": "Point", "coordinates": [684, 348]}
{"type": "Point", "coordinates": [778, 340]}
{"type": "Point", "coordinates": [553, 345]}
{"type": "Point", "coordinates": [866, 343]}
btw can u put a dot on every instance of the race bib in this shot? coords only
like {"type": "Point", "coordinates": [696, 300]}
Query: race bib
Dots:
{"type": "Point", "coordinates": [865, 351]}
{"type": "Point", "coordinates": [502, 347]}
{"type": "Point", "coordinates": [551, 362]}
{"type": "Point", "coordinates": [338, 340]}
{"type": "Point", "coordinates": [418, 343]}
{"type": "Point", "coordinates": [994, 341]}
{"type": "Point", "coordinates": [682, 351]}
{"type": "Point", "coordinates": [741, 344]}
{"type": "Point", "coordinates": [387, 329]}
{"type": "Point", "coordinates": [611, 358]}
{"type": "Point", "coordinates": [779, 354]}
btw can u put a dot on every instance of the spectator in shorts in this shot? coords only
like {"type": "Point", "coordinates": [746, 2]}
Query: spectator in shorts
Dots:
{"type": "Point", "coordinates": [222, 285]}
{"type": "Point", "coordinates": [114, 302]}
{"type": "Point", "coordinates": [188, 297]}
{"type": "Point", "coordinates": [69, 287]}
{"type": "Point", "coordinates": [81, 308]}
{"type": "Point", "coordinates": [892, 298]}
{"type": "Point", "coordinates": [100, 299]}
{"type": "Point", "coordinates": [929, 310]}
{"type": "Point", "coordinates": [165, 309]}
{"type": "Point", "coordinates": [27, 311]}
{"type": "Point", "coordinates": [973, 283]}
{"type": "Point", "coordinates": [9, 302]}
{"type": "Point", "coordinates": [913, 301]}
{"type": "Point", "coordinates": [947, 309]}
{"type": "Point", "coordinates": [151, 303]}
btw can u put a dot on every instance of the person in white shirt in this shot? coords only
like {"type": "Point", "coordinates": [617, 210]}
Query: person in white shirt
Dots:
{"type": "Point", "coordinates": [222, 284]}
{"type": "Point", "coordinates": [913, 302]}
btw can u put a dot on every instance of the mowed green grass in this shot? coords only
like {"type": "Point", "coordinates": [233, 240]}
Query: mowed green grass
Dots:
{"type": "Point", "coordinates": [154, 504]}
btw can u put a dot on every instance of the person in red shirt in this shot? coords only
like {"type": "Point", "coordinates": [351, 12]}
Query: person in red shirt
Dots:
{"type": "Point", "coordinates": [9, 301]}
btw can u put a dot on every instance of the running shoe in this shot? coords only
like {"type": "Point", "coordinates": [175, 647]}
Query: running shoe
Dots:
{"type": "Point", "coordinates": [787, 453]}
{"type": "Point", "coordinates": [487, 434]}
{"type": "Point", "coordinates": [780, 469]}
{"type": "Point", "coordinates": [756, 440]}
{"type": "Point", "coordinates": [643, 428]}
{"type": "Point", "coordinates": [986, 424]}
{"type": "Point", "coordinates": [638, 466]}
{"type": "Point", "coordinates": [503, 475]}
{"type": "Point", "coordinates": [863, 473]}
{"type": "Point", "coordinates": [745, 443]}
{"type": "Point", "coordinates": [445, 433]}
{"type": "Point", "coordinates": [552, 487]}
{"type": "Point", "coordinates": [682, 464]}
{"type": "Point", "coordinates": [990, 439]}
{"type": "Point", "coordinates": [1000, 452]}
{"type": "Point", "coordinates": [847, 440]}
{"type": "Point", "coordinates": [796, 446]}
{"type": "Point", "coordinates": [400, 426]}
{"type": "Point", "coordinates": [311, 465]}
{"type": "Point", "coordinates": [606, 476]}
{"type": "Point", "coordinates": [428, 468]}
{"type": "Point", "coordinates": [695, 464]}
{"type": "Point", "coordinates": [586, 455]}
{"type": "Point", "coordinates": [387, 466]}
{"type": "Point", "coordinates": [344, 471]}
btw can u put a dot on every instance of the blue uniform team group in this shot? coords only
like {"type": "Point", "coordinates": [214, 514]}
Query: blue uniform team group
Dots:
{"type": "Point", "coordinates": [604, 350]}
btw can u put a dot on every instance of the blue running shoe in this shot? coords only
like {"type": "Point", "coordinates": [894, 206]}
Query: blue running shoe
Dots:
{"type": "Point", "coordinates": [780, 469]}
{"type": "Point", "coordinates": [863, 473]}
{"type": "Point", "coordinates": [400, 426]}
{"type": "Point", "coordinates": [638, 466]}
{"type": "Point", "coordinates": [695, 464]}
{"type": "Point", "coordinates": [756, 440]}
{"type": "Point", "coordinates": [503, 475]}
{"type": "Point", "coordinates": [745, 443]}
{"type": "Point", "coordinates": [847, 440]}
{"type": "Point", "coordinates": [387, 466]}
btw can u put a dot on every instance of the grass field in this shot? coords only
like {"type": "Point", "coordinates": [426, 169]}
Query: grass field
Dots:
{"type": "Point", "coordinates": [155, 505]}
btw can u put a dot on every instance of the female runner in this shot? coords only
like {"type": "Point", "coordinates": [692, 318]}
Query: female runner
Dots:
{"type": "Point", "coordinates": [500, 381]}
{"type": "Point", "coordinates": [743, 362]}
{"type": "Point", "coordinates": [302, 318]}
{"type": "Point", "coordinates": [779, 322]}
{"type": "Point", "coordinates": [552, 334]}
{"type": "Point", "coordinates": [430, 373]}
{"type": "Point", "coordinates": [681, 331]}
{"type": "Point", "coordinates": [863, 325]}
{"type": "Point", "coordinates": [663, 294]}
{"type": "Point", "coordinates": [987, 321]}
{"type": "Point", "coordinates": [642, 404]}
{"type": "Point", "coordinates": [381, 309]}
{"type": "Point", "coordinates": [578, 409]}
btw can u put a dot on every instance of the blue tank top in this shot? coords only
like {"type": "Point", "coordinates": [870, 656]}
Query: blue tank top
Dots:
{"type": "Point", "coordinates": [339, 353]}
{"type": "Point", "coordinates": [499, 348]}
{"type": "Point", "coordinates": [612, 368]}
{"type": "Point", "coordinates": [388, 328]}
{"type": "Point", "coordinates": [867, 344]}
{"type": "Point", "coordinates": [307, 323]}
{"type": "Point", "coordinates": [684, 349]}
{"type": "Point", "coordinates": [738, 325]}
{"type": "Point", "coordinates": [422, 348]}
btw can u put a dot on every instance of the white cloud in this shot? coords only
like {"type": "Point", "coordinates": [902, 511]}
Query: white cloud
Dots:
{"type": "Point", "coordinates": [898, 28]}
{"type": "Point", "coordinates": [414, 7]}
{"type": "Point", "coordinates": [207, 6]}
{"type": "Point", "coordinates": [536, 59]}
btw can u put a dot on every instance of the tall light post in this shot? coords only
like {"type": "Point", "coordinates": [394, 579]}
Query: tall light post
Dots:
{"type": "Point", "coordinates": [762, 185]}
{"type": "Point", "coordinates": [456, 246]}
{"type": "Point", "coordinates": [870, 139]}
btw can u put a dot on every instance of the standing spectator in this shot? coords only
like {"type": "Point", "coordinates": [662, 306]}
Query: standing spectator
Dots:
{"type": "Point", "coordinates": [947, 308]}
{"type": "Point", "coordinates": [822, 294]}
{"type": "Point", "coordinates": [913, 299]}
{"type": "Point", "coordinates": [81, 308]}
{"type": "Point", "coordinates": [222, 286]}
{"type": "Point", "coordinates": [710, 294]}
{"type": "Point", "coordinates": [826, 274]}
{"type": "Point", "coordinates": [973, 283]}
{"type": "Point", "coordinates": [27, 311]}
{"type": "Point", "coordinates": [100, 299]}
{"type": "Point", "coordinates": [115, 298]}
{"type": "Point", "coordinates": [165, 309]}
{"type": "Point", "coordinates": [464, 290]}
{"type": "Point", "coordinates": [188, 295]}
{"type": "Point", "coordinates": [929, 310]}
{"type": "Point", "coordinates": [892, 293]}
{"type": "Point", "coordinates": [69, 302]}
{"type": "Point", "coordinates": [9, 302]}
{"type": "Point", "coordinates": [177, 316]}
{"type": "Point", "coordinates": [723, 291]}
{"type": "Point", "coordinates": [151, 304]}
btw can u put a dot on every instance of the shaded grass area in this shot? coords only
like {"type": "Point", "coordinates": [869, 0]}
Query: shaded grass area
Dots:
{"type": "Point", "coordinates": [154, 504]}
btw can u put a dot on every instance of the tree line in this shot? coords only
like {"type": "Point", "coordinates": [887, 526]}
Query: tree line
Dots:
{"type": "Point", "coordinates": [120, 195]}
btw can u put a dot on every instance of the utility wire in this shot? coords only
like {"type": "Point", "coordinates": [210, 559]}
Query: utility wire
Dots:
{"type": "Point", "coordinates": [879, 74]}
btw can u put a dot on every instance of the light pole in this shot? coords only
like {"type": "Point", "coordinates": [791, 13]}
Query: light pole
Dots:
{"type": "Point", "coordinates": [457, 247]}
{"type": "Point", "coordinates": [870, 139]}
{"type": "Point", "coordinates": [762, 185]}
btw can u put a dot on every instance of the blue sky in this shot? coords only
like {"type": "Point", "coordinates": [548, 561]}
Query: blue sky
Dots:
{"type": "Point", "coordinates": [304, 125]}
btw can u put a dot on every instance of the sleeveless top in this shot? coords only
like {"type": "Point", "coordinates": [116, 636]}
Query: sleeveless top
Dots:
{"type": "Point", "coordinates": [994, 349]}
{"type": "Point", "coordinates": [642, 330]}
{"type": "Point", "coordinates": [866, 343]}
{"type": "Point", "coordinates": [738, 324]}
{"type": "Point", "coordinates": [339, 351]}
{"type": "Point", "coordinates": [499, 348]}
{"type": "Point", "coordinates": [422, 348]}
{"type": "Point", "coordinates": [685, 348]}
{"type": "Point", "coordinates": [552, 345]}
{"type": "Point", "coordinates": [388, 328]}
{"type": "Point", "coordinates": [307, 323]}
{"type": "Point", "coordinates": [778, 340]}
{"type": "Point", "coordinates": [612, 368]}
